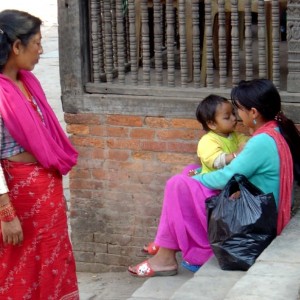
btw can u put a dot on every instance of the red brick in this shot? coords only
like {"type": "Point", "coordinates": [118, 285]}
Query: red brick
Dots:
{"type": "Point", "coordinates": [98, 154]}
{"type": "Point", "coordinates": [142, 155]}
{"type": "Point", "coordinates": [117, 132]}
{"type": "Point", "coordinates": [118, 155]}
{"type": "Point", "coordinates": [78, 129]}
{"type": "Point", "coordinates": [175, 134]}
{"type": "Point", "coordinates": [142, 133]}
{"type": "Point", "coordinates": [84, 163]}
{"type": "Point", "coordinates": [98, 130]}
{"type": "Point", "coordinates": [156, 166]}
{"type": "Point", "coordinates": [153, 122]}
{"type": "Point", "coordinates": [98, 173]}
{"type": "Point", "coordinates": [174, 158]}
{"type": "Point", "coordinates": [84, 151]}
{"type": "Point", "coordinates": [81, 194]}
{"type": "Point", "coordinates": [123, 144]}
{"type": "Point", "coordinates": [85, 184]}
{"type": "Point", "coordinates": [126, 167]}
{"type": "Point", "coordinates": [153, 146]}
{"type": "Point", "coordinates": [182, 147]}
{"type": "Point", "coordinates": [186, 123]}
{"type": "Point", "coordinates": [80, 173]}
{"type": "Point", "coordinates": [88, 141]}
{"type": "Point", "coordinates": [124, 120]}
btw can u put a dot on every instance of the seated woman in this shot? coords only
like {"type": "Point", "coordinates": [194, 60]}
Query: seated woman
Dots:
{"type": "Point", "coordinates": [267, 160]}
{"type": "Point", "coordinates": [218, 147]}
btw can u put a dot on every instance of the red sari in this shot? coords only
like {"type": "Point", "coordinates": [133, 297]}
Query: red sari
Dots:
{"type": "Point", "coordinates": [43, 267]}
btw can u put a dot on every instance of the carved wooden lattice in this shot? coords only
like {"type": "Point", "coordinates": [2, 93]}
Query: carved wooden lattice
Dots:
{"type": "Point", "coordinates": [275, 43]}
{"type": "Point", "coordinates": [96, 41]}
{"type": "Point", "coordinates": [293, 38]}
{"type": "Point", "coordinates": [248, 40]}
{"type": "Point", "coordinates": [175, 51]}
{"type": "Point", "coordinates": [209, 45]}
{"type": "Point", "coordinates": [261, 40]}
{"type": "Point", "coordinates": [132, 42]}
{"type": "Point", "coordinates": [222, 44]}
{"type": "Point", "coordinates": [196, 43]}
{"type": "Point", "coordinates": [170, 19]}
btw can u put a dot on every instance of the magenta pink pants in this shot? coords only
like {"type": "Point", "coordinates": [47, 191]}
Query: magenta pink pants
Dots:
{"type": "Point", "coordinates": [183, 221]}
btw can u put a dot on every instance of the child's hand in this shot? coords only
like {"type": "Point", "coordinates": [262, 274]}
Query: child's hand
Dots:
{"type": "Point", "coordinates": [193, 172]}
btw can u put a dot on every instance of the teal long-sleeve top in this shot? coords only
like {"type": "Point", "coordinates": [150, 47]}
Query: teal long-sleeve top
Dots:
{"type": "Point", "coordinates": [259, 162]}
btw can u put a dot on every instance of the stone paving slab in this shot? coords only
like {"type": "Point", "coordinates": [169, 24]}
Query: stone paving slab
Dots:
{"type": "Point", "coordinates": [210, 282]}
{"type": "Point", "coordinates": [107, 286]}
{"type": "Point", "coordinates": [279, 284]}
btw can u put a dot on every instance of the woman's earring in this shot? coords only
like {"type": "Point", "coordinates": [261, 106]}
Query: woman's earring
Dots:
{"type": "Point", "coordinates": [254, 122]}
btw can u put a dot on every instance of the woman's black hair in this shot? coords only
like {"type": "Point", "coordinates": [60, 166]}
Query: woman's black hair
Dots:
{"type": "Point", "coordinates": [263, 95]}
{"type": "Point", "coordinates": [206, 110]}
{"type": "Point", "coordinates": [14, 25]}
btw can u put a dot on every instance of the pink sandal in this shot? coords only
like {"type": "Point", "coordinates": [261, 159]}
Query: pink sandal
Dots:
{"type": "Point", "coordinates": [144, 270]}
{"type": "Point", "coordinates": [151, 248]}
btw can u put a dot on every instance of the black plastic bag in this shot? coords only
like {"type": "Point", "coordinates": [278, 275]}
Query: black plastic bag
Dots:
{"type": "Point", "coordinates": [240, 229]}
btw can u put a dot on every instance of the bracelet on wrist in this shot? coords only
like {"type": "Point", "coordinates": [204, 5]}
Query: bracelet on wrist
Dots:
{"type": "Point", "coordinates": [234, 155]}
{"type": "Point", "coordinates": [4, 204]}
{"type": "Point", "coordinates": [7, 212]}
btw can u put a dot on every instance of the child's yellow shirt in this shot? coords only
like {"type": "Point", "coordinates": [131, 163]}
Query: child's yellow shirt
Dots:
{"type": "Point", "coordinates": [211, 145]}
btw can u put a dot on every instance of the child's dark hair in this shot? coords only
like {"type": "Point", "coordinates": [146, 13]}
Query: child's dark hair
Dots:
{"type": "Point", "coordinates": [263, 95]}
{"type": "Point", "coordinates": [14, 25]}
{"type": "Point", "coordinates": [206, 110]}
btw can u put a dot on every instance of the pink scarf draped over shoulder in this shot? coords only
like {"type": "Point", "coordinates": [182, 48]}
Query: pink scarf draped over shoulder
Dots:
{"type": "Point", "coordinates": [286, 174]}
{"type": "Point", "coordinates": [46, 141]}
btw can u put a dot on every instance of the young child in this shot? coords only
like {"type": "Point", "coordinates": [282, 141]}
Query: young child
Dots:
{"type": "Point", "coordinates": [221, 144]}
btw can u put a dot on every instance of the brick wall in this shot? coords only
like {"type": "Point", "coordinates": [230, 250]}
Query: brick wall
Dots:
{"type": "Point", "coordinates": [117, 185]}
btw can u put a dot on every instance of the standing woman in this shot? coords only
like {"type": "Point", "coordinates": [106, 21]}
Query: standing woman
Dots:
{"type": "Point", "coordinates": [36, 258]}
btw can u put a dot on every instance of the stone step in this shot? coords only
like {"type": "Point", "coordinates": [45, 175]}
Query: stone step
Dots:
{"type": "Point", "coordinates": [276, 273]}
{"type": "Point", "coordinates": [274, 276]}
{"type": "Point", "coordinates": [209, 283]}
{"type": "Point", "coordinates": [161, 288]}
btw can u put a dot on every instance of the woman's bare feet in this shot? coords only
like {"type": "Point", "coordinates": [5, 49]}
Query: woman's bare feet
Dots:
{"type": "Point", "coordinates": [164, 259]}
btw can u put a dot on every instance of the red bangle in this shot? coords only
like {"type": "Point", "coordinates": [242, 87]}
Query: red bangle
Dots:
{"type": "Point", "coordinates": [7, 213]}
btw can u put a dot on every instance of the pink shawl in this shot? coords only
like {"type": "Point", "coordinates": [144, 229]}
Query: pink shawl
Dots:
{"type": "Point", "coordinates": [47, 142]}
{"type": "Point", "coordinates": [286, 174]}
